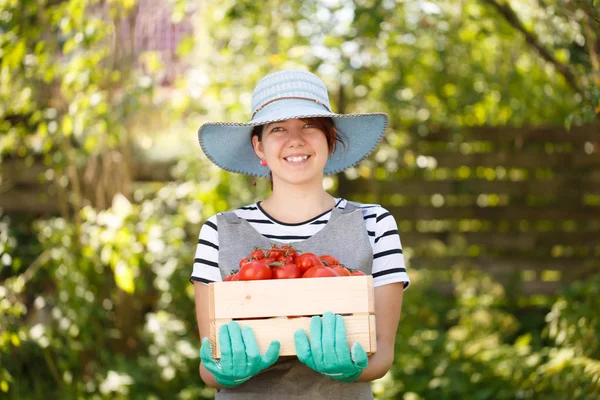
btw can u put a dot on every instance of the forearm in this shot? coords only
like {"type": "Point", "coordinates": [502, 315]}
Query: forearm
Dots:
{"type": "Point", "coordinates": [388, 305]}
{"type": "Point", "coordinates": [379, 364]}
{"type": "Point", "coordinates": [208, 378]}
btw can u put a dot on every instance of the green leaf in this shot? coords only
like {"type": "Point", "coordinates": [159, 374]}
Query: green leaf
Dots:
{"type": "Point", "coordinates": [13, 58]}
{"type": "Point", "coordinates": [569, 122]}
{"type": "Point", "coordinates": [186, 46]}
{"type": "Point", "coordinates": [124, 277]}
{"type": "Point", "coordinates": [67, 125]}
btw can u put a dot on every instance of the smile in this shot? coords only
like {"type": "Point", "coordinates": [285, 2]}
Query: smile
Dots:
{"type": "Point", "coordinates": [296, 159]}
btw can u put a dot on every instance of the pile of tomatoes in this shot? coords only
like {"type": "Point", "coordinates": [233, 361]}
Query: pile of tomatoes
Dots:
{"type": "Point", "coordinates": [286, 262]}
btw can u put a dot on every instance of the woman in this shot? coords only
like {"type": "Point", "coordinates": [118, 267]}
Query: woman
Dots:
{"type": "Point", "coordinates": [296, 139]}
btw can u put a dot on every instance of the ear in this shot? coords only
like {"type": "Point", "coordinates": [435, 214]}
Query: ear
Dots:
{"type": "Point", "coordinates": [257, 145]}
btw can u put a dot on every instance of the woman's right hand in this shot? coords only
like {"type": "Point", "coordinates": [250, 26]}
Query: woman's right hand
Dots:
{"type": "Point", "coordinates": [240, 356]}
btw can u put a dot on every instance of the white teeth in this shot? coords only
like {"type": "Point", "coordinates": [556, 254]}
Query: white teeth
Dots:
{"type": "Point", "coordinates": [296, 159]}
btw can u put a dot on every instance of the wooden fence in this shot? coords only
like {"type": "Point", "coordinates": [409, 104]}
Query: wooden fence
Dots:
{"type": "Point", "coordinates": [521, 203]}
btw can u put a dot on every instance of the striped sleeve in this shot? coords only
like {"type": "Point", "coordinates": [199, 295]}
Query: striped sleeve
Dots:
{"type": "Point", "coordinates": [388, 258]}
{"type": "Point", "coordinates": [206, 260]}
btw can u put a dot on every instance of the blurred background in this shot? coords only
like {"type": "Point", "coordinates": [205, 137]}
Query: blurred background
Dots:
{"type": "Point", "coordinates": [491, 166]}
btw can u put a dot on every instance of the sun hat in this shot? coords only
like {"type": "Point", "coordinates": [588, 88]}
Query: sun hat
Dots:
{"type": "Point", "coordinates": [287, 95]}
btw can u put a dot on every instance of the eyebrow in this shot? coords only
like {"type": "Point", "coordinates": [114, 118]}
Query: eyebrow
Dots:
{"type": "Point", "coordinates": [305, 120]}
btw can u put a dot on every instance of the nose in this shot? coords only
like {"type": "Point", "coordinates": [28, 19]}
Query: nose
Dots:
{"type": "Point", "coordinates": [295, 137]}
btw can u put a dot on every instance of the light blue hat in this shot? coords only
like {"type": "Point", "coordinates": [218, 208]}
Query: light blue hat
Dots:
{"type": "Point", "coordinates": [286, 95]}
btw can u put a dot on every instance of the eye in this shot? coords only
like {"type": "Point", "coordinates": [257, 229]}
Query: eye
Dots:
{"type": "Point", "coordinates": [276, 129]}
{"type": "Point", "coordinates": [309, 126]}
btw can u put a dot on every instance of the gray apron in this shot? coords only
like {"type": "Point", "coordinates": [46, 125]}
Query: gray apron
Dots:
{"type": "Point", "coordinates": [345, 237]}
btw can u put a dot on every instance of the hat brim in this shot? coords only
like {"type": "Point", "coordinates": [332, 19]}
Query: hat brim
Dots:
{"type": "Point", "coordinates": [229, 145]}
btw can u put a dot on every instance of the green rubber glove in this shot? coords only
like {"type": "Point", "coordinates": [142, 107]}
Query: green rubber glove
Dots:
{"type": "Point", "coordinates": [327, 352]}
{"type": "Point", "coordinates": [240, 356]}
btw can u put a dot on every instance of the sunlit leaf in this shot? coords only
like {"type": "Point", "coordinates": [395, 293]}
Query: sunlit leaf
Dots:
{"type": "Point", "coordinates": [185, 46]}
{"type": "Point", "coordinates": [15, 56]}
{"type": "Point", "coordinates": [124, 277]}
{"type": "Point", "coordinates": [67, 125]}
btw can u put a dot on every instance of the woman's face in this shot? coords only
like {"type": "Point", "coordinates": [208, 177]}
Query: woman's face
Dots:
{"type": "Point", "coordinates": [295, 150]}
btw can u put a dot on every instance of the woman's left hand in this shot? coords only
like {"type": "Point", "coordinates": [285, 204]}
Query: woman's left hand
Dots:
{"type": "Point", "coordinates": [328, 352]}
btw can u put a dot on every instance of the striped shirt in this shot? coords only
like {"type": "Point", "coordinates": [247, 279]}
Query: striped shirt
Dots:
{"type": "Point", "coordinates": [388, 260]}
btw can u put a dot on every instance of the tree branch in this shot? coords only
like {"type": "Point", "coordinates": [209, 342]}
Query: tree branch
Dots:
{"type": "Point", "coordinates": [589, 38]}
{"type": "Point", "coordinates": [512, 18]}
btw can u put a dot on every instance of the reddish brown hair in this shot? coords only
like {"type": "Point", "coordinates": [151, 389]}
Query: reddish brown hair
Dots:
{"type": "Point", "coordinates": [325, 124]}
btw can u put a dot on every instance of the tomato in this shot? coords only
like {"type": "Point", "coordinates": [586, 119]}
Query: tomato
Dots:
{"type": "Point", "coordinates": [255, 271]}
{"type": "Point", "coordinates": [340, 269]}
{"type": "Point", "coordinates": [290, 251]}
{"type": "Point", "coordinates": [320, 271]}
{"type": "Point", "coordinates": [244, 261]}
{"type": "Point", "coordinates": [357, 272]}
{"type": "Point", "coordinates": [289, 260]}
{"type": "Point", "coordinates": [233, 276]}
{"type": "Point", "coordinates": [308, 260]}
{"type": "Point", "coordinates": [268, 261]}
{"type": "Point", "coordinates": [275, 252]}
{"type": "Point", "coordinates": [286, 271]}
{"type": "Point", "coordinates": [329, 260]}
{"type": "Point", "coordinates": [257, 254]}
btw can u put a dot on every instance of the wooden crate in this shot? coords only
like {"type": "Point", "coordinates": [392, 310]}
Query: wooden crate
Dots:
{"type": "Point", "coordinates": [266, 305]}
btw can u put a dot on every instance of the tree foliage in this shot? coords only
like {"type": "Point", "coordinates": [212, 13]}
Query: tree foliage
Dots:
{"type": "Point", "coordinates": [95, 302]}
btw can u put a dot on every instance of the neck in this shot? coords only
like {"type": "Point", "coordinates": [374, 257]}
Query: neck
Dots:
{"type": "Point", "coordinates": [297, 203]}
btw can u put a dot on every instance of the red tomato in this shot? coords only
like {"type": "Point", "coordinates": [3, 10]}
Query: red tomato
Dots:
{"type": "Point", "coordinates": [308, 260]}
{"type": "Point", "coordinates": [268, 261]}
{"type": "Point", "coordinates": [286, 271]}
{"type": "Point", "coordinates": [257, 254]}
{"type": "Point", "coordinates": [289, 260]}
{"type": "Point", "coordinates": [329, 260]}
{"type": "Point", "coordinates": [244, 261]}
{"type": "Point", "coordinates": [290, 251]}
{"type": "Point", "coordinates": [234, 276]}
{"type": "Point", "coordinates": [340, 269]}
{"type": "Point", "coordinates": [275, 252]}
{"type": "Point", "coordinates": [255, 271]}
{"type": "Point", "coordinates": [319, 271]}
{"type": "Point", "coordinates": [357, 272]}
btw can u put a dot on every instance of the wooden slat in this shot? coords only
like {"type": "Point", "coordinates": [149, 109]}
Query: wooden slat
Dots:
{"type": "Point", "coordinates": [371, 295]}
{"type": "Point", "coordinates": [508, 134]}
{"type": "Point", "coordinates": [508, 240]}
{"type": "Point", "coordinates": [18, 171]}
{"type": "Point", "coordinates": [252, 299]}
{"type": "Point", "coordinates": [28, 200]}
{"type": "Point", "coordinates": [538, 287]}
{"type": "Point", "coordinates": [358, 329]}
{"type": "Point", "coordinates": [416, 187]}
{"type": "Point", "coordinates": [373, 333]}
{"type": "Point", "coordinates": [527, 160]}
{"type": "Point", "coordinates": [153, 171]}
{"type": "Point", "coordinates": [523, 288]}
{"type": "Point", "coordinates": [15, 171]}
{"type": "Point", "coordinates": [513, 212]}
{"type": "Point", "coordinates": [572, 265]}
